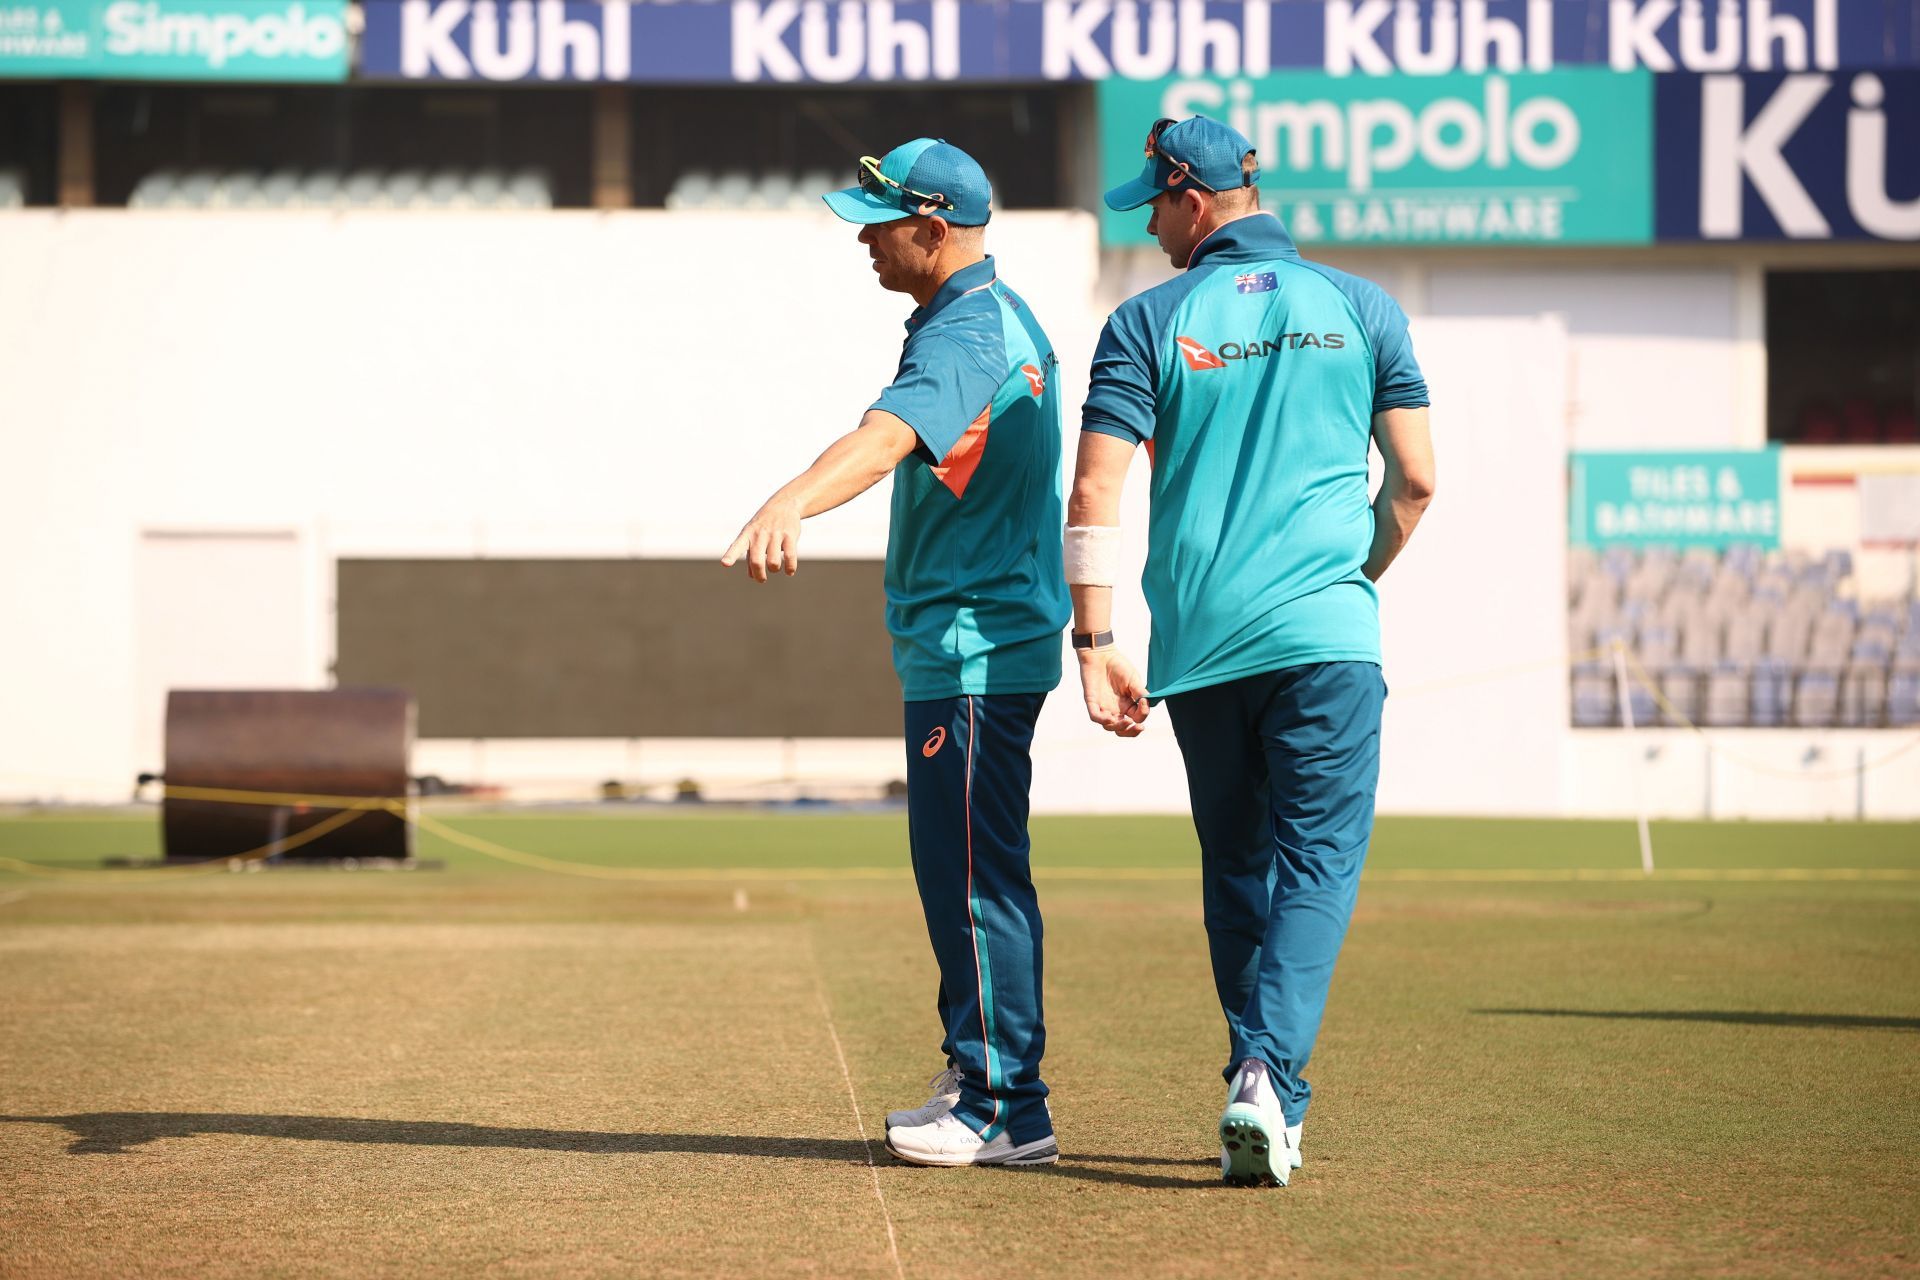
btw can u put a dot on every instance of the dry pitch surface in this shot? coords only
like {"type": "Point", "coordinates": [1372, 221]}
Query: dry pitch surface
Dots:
{"type": "Point", "coordinates": [492, 1069]}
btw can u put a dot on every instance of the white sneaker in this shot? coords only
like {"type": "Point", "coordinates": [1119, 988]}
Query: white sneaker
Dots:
{"type": "Point", "coordinates": [1294, 1132]}
{"type": "Point", "coordinates": [947, 1141]}
{"type": "Point", "coordinates": [946, 1096]}
{"type": "Point", "coordinates": [1257, 1147]}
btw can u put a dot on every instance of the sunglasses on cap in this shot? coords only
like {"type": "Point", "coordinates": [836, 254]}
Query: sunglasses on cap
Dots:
{"type": "Point", "coordinates": [1154, 149]}
{"type": "Point", "coordinates": [876, 183]}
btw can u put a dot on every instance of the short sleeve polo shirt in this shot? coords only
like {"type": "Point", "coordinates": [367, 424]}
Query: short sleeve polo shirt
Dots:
{"type": "Point", "coordinates": [976, 596]}
{"type": "Point", "coordinates": [1253, 378]}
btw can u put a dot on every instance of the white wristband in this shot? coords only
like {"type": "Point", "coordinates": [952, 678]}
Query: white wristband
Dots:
{"type": "Point", "coordinates": [1092, 554]}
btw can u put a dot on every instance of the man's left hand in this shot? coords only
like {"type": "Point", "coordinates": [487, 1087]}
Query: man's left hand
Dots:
{"type": "Point", "coordinates": [1116, 695]}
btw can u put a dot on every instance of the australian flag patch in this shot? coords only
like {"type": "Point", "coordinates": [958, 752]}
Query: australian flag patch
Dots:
{"type": "Point", "coordinates": [1256, 282]}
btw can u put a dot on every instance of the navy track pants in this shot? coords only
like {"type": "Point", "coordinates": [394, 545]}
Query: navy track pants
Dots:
{"type": "Point", "coordinates": [969, 770]}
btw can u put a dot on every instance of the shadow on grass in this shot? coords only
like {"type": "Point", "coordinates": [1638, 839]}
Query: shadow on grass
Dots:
{"type": "Point", "coordinates": [1201, 1175]}
{"type": "Point", "coordinates": [117, 1132]}
{"type": "Point", "coordinates": [1838, 1020]}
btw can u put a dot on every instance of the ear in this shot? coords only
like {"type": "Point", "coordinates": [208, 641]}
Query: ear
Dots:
{"type": "Point", "coordinates": [938, 232]}
{"type": "Point", "coordinates": [1194, 204]}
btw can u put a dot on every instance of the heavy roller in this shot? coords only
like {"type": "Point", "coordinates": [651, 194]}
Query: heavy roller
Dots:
{"type": "Point", "coordinates": [290, 743]}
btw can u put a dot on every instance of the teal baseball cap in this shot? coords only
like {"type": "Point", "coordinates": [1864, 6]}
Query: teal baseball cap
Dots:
{"type": "Point", "coordinates": [1197, 150]}
{"type": "Point", "coordinates": [929, 177]}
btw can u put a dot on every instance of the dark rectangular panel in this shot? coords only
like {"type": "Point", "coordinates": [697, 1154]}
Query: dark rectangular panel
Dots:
{"type": "Point", "coordinates": [1843, 356]}
{"type": "Point", "coordinates": [622, 648]}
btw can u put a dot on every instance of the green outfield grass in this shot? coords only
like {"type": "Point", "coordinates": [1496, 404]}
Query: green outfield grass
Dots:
{"type": "Point", "coordinates": [726, 838]}
{"type": "Point", "coordinates": [492, 1068]}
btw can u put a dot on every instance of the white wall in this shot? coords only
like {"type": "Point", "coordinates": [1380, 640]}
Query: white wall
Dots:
{"type": "Point", "coordinates": [1660, 357]}
{"type": "Point", "coordinates": [409, 384]}
{"type": "Point", "coordinates": [1828, 500]}
{"type": "Point", "coordinates": [633, 384]}
{"type": "Point", "coordinates": [1473, 614]}
{"type": "Point", "coordinates": [232, 610]}
{"type": "Point", "coordinates": [1744, 773]}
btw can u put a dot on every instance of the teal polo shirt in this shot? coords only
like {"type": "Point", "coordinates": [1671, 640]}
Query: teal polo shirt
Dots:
{"type": "Point", "coordinates": [1253, 378]}
{"type": "Point", "coordinates": [976, 595]}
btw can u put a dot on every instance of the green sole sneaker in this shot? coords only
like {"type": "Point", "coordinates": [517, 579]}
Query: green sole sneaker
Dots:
{"type": "Point", "coordinates": [1247, 1150]}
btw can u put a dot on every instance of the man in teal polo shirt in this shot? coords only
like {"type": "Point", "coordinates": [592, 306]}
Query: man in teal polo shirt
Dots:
{"type": "Point", "coordinates": [970, 431]}
{"type": "Point", "coordinates": [1255, 379]}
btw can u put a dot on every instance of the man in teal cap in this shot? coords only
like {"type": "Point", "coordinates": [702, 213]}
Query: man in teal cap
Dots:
{"type": "Point", "coordinates": [976, 602]}
{"type": "Point", "coordinates": [1255, 379]}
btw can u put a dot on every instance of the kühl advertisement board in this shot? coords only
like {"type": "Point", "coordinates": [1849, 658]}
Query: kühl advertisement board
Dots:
{"type": "Point", "coordinates": [1030, 41]}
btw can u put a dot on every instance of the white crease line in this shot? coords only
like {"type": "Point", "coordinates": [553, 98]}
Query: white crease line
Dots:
{"type": "Point", "coordinates": [826, 1011]}
{"type": "Point", "coordinates": [1691, 875]}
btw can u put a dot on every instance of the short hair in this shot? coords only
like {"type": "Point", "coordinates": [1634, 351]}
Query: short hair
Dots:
{"type": "Point", "coordinates": [1238, 200]}
{"type": "Point", "coordinates": [968, 237]}
{"type": "Point", "coordinates": [1243, 198]}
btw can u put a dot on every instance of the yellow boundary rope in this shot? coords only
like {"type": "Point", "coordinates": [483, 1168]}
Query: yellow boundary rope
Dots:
{"type": "Point", "coordinates": [288, 799]}
{"type": "Point", "coordinates": [539, 861]}
{"type": "Point", "coordinates": [208, 867]}
{"type": "Point", "coordinates": [352, 807]}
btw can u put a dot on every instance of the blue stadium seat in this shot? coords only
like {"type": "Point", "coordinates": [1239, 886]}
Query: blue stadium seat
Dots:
{"type": "Point", "coordinates": [1594, 696]}
{"type": "Point", "coordinates": [281, 189]}
{"type": "Point", "coordinates": [1772, 686]}
{"type": "Point", "coordinates": [1729, 694]}
{"type": "Point", "coordinates": [364, 189]}
{"type": "Point", "coordinates": [155, 191]}
{"type": "Point", "coordinates": [1816, 698]}
{"type": "Point", "coordinates": [530, 189]}
{"type": "Point", "coordinates": [1683, 688]}
{"type": "Point", "coordinates": [1903, 696]}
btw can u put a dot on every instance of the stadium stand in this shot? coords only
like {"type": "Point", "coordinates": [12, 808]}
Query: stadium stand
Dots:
{"type": "Point", "coordinates": [777, 189]}
{"type": "Point", "coordinates": [441, 189]}
{"type": "Point", "coordinates": [1858, 421]}
{"type": "Point", "coordinates": [1740, 639]}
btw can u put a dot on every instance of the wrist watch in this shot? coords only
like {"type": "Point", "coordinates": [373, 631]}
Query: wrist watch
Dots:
{"type": "Point", "coordinates": [1092, 639]}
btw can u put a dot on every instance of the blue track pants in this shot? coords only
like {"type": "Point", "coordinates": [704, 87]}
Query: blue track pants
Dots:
{"type": "Point", "coordinates": [1281, 768]}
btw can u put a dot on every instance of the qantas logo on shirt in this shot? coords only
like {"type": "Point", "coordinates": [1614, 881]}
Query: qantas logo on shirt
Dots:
{"type": "Point", "coordinates": [1036, 380]}
{"type": "Point", "coordinates": [1199, 358]}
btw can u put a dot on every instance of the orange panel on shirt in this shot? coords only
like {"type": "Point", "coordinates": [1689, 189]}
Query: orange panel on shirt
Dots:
{"type": "Point", "coordinates": [957, 468]}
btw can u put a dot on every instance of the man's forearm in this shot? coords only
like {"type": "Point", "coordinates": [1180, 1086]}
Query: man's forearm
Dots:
{"type": "Point", "coordinates": [1094, 502]}
{"type": "Point", "coordinates": [1395, 513]}
{"type": "Point", "coordinates": [850, 466]}
{"type": "Point", "coordinates": [1092, 608]}
{"type": "Point", "coordinates": [1406, 447]}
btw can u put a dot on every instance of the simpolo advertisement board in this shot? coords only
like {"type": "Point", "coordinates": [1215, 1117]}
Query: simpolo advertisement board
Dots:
{"type": "Point", "coordinates": [1559, 157]}
{"type": "Point", "coordinates": [247, 40]}
{"type": "Point", "coordinates": [1581, 155]}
